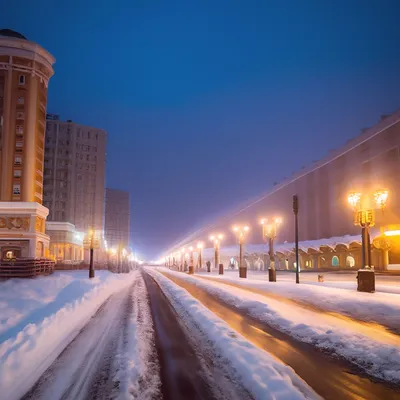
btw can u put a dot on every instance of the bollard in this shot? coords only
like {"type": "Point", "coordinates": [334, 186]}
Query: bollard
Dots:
{"type": "Point", "coordinates": [366, 280]}
{"type": "Point", "coordinates": [191, 270]}
{"type": "Point", "coordinates": [320, 278]}
{"type": "Point", "coordinates": [272, 274]}
{"type": "Point", "coordinates": [221, 269]}
{"type": "Point", "coordinates": [242, 272]}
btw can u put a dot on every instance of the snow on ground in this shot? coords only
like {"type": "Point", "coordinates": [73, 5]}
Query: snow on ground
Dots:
{"type": "Point", "coordinates": [260, 373]}
{"type": "Point", "coordinates": [337, 296]}
{"type": "Point", "coordinates": [137, 367]}
{"type": "Point", "coordinates": [61, 305]}
{"type": "Point", "coordinates": [372, 349]}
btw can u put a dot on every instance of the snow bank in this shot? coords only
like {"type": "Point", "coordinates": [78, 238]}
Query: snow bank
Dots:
{"type": "Point", "coordinates": [30, 346]}
{"type": "Point", "coordinates": [383, 308]}
{"type": "Point", "coordinates": [261, 374]}
{"type": "Point", "coordinates": [372, 349]}
{"type": "Point", "coordinates": [137, 368]}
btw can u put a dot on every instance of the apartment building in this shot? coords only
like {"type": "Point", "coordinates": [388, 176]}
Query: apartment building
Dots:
{"type": "Point", "coordinates": [25, 71]}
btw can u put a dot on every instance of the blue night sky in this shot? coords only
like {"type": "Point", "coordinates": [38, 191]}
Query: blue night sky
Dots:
{"type": "Point", "coordinates": [207, 103]}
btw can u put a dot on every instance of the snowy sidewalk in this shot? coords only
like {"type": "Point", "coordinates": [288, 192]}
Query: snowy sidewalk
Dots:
{"type": "Point", "coordinates": [370, 348]}
{"type": "Point", "coordinates": [382, 308]}
{"type": "Point", "coordinates": [42, 316]}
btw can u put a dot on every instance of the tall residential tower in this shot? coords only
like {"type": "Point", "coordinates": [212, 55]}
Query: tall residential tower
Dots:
{"type": "Point", "coordinates": [25, 71]}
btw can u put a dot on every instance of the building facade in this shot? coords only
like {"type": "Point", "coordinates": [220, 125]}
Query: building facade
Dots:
{"type": "Point", "coordinates": [25, 71]}
{"type": "Point", "coordinates": [66, 243]}
{"type": "Point", "coordinates": [367, 163]}
{"type": "Point", "coordinates": [117, 218]}
{"type": "Point", "coordinates": [74, 174]}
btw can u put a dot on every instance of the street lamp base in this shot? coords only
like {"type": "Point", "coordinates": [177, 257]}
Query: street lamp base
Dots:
{"type": "Point", "coordinates": [191, 270]}
{"type": "Point", "coordinates": [242, 272]}
{"type": "Point", "coordinates": [91, 273]}
{"type": "Point", "coordinates": [272, 275]}
{"type": "Point", "coordinates": [221, 269]}
{"type": "Point", "coordinates": [366, 281]}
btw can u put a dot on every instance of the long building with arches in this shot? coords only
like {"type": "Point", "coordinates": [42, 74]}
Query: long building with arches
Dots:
{"type": "Point", "coordinates": [327, 233]}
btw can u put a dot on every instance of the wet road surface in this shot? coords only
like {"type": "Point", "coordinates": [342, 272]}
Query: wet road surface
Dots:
{"type": "Point", "coordinates": [332, 378]}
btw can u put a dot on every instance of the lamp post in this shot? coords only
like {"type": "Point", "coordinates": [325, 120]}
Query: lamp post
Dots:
{"type": "Point", "coordinates": [269, 233]}
{"type": "Point", "coordinates": [364, 217]}
{"type": "Point", "coordinates": [191, 261]}
{"type": "Point", "coordinates": [91, 242]}
{"type": "Point", "coordinates": [183, 255]}
{"type": "Point", "coordinates": [240, 234]}
{"type": "Point", "coordinates": [200, 246]}
{"type": "Point", "coordinates": [216, 239]}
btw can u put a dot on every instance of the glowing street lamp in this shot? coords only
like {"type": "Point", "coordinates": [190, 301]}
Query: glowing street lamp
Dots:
{"type": "Point", "coordinates": [364, 216]}
{"type": "Point", "coordinates": [191, 261]}
{"type": "Point", "coordinates": [240, 234]}
{"type": "Point", "coordinates": [91, 242]}
{"type": "Point", "coordinates": [216, 239]}
{"type": "Point", "coordinates": [269, 233]}
{"type": "Point", "coordinates": [183, 250]}
{"type": "Point", "coordinates": [200, 246]}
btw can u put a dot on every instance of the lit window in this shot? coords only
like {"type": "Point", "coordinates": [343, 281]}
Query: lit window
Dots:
{"type": "Point", "coordinates": [19, 144]}
{"type": "Point", "coordinates": [20, 115]}
{"type": "Point", "coordinates": [17, 173]}
{"type": "Point", "coordinates": [18, 160]}
{"type": "Point", "coordinates": [21, 100]}
{"type": "Point", "coordinates": [17, 189]}
{"type": "Point", "coordinates": [22, 79]}
{"type": "Point", "coordinates": [20, 130]}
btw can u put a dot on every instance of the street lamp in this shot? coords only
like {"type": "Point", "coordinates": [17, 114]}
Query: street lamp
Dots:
{"type": "Point", "coordinates": [200, 246]}
{"type": "Point", "coordinates": [216, 239]}
{"type": "Point", "coordinates": [364, 216]}
{"type": "Point", "coordinates": [269, 233]}
{"type": "Point", "coordinates": [183, 253]}
{"type": "Point", "coordinates": [91, 242]}
{"type": "Point", "coordinates": [191, 261]}
{"type": "Point", "coordinates": [240, 234]}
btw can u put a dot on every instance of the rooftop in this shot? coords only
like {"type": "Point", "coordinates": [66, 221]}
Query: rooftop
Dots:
{"type": "Point", "coordinates": [11, 33]}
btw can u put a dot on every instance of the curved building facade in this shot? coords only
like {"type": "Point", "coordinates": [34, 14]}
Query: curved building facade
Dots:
{"type": "Point", "coordinates": [25, 71]}
{"type": "Point", "coordinates": [365, 164]}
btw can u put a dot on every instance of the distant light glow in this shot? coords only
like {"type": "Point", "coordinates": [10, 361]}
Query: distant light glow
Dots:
{"type": "Point", "coordinates": [354, 199]}
{"type": "Point", "coordinates": [381, 197]}
{"type": "Point", "coordinates": [395, 232]}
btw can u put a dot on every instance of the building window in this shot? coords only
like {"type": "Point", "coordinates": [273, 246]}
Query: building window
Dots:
{"type": "Point", "coordinates": [19, 144]}
{"type": "Point", "coordinates": [22, 79]}
{"type": "Point", "coordinates": [21, 100]}
{"type": "Point", "coordinates": [20, 115]}
{"type": "Point", "coordinates": [17, 173]}
{"type": "Point", "coordinates": [19, 130]}
{"type": "Point", "coordinates": [18, 160]}
{"type": "Point", "coordinates": [335, 261]}
{"type": "Point", "coordinates": [17, 189]}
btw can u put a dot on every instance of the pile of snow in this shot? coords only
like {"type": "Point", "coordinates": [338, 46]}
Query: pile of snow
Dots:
{"type": "Point", "coordinates": [374, 350]}
{"type": "Point", "coordinates": [260, 373]}
{"type": "Point", "coordinates": [61, 305]}
{"type": "Point", "coordinates": [382, 308]}
{"type": "Point", "coordinates": [137, 367]}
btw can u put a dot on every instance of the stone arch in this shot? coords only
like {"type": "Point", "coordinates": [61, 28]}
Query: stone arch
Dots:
{"type": "Point", "coordinates": [259, 264]}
